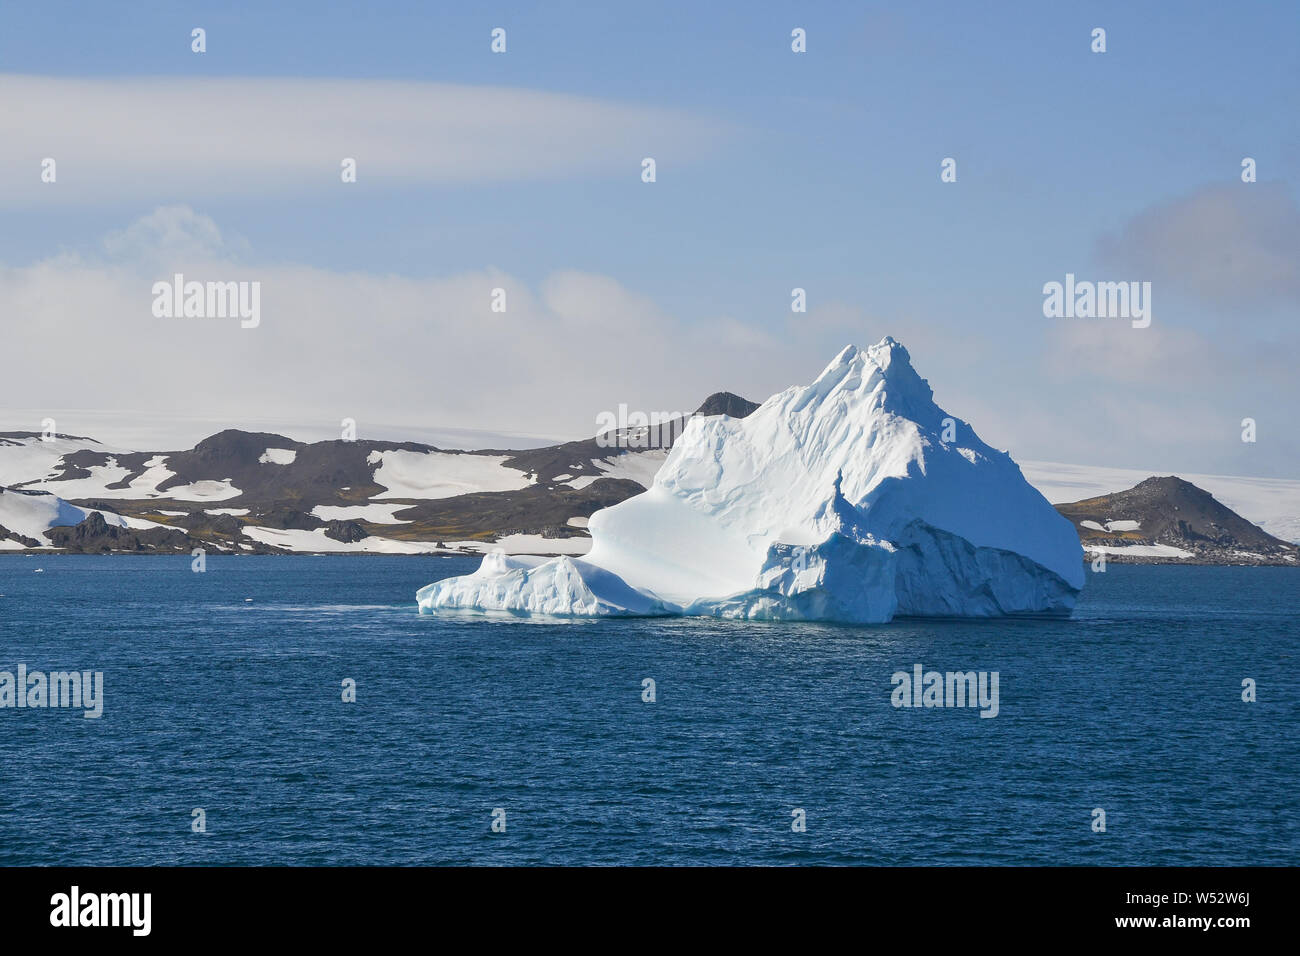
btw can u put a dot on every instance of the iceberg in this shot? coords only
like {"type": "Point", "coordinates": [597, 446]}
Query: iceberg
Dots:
{"type": "Point", "coordinates": [854, 499]}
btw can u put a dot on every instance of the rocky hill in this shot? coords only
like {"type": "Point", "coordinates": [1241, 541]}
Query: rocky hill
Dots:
{"type": "Point", "coordinates": [1171, 521]}
{"type": "Point", "coordinates": [259, 492]}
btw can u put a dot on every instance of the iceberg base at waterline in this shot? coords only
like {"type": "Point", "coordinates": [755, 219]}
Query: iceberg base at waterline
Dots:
{"type": "Point", "coordinates": [853, 499]}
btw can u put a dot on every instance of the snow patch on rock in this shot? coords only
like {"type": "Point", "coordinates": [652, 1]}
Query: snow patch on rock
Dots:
{"type": "Point", "coordinates": [278, 456]}
{"type": "Point", "coordinates": [437, 474]}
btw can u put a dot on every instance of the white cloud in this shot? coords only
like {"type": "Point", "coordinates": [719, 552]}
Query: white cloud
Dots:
{"type": "Point", "coordinates": [170, 232]}
{"type": "Point", "coordinates": [424, 351]}
{"type": "Point", "coordinates": [200, 137]}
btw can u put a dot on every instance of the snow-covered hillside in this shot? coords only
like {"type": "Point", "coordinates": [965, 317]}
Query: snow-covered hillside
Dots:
{"type": "Point", "coordinates": [32, 515]}
{"type": "Point", "coordinates": [26, 456]}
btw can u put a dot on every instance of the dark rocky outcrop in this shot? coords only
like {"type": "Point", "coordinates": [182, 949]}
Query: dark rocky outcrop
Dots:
{"type": "Point", "coordinates": [348, 532]}
{"type": "Point", "coordinates": [726, 403]}
{"type": "Point", "coordinates": [95, 534]}
{"type": "Point", "coordinates": [7, 535]}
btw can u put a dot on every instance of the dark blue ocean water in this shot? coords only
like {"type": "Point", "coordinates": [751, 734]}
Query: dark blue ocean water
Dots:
{"type": "Point", "coordinates": [1134, 706]}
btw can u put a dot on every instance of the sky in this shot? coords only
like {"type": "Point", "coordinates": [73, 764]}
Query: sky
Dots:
{"type": "Point", "coordinates": [775, 170]}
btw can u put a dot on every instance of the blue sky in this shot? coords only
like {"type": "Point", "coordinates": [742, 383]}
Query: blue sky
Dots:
{"type": "Point", "coordinates": [818, 170]}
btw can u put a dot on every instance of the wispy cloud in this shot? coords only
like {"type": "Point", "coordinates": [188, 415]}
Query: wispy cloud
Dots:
{"type": "Point", "coordinates": [201, 137]}
{"type": "Point", "coordinates": [1228, 245]}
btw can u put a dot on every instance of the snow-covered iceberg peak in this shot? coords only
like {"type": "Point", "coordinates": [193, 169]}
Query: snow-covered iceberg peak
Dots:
{"type": "Point", "coordinates": [854, 498]}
